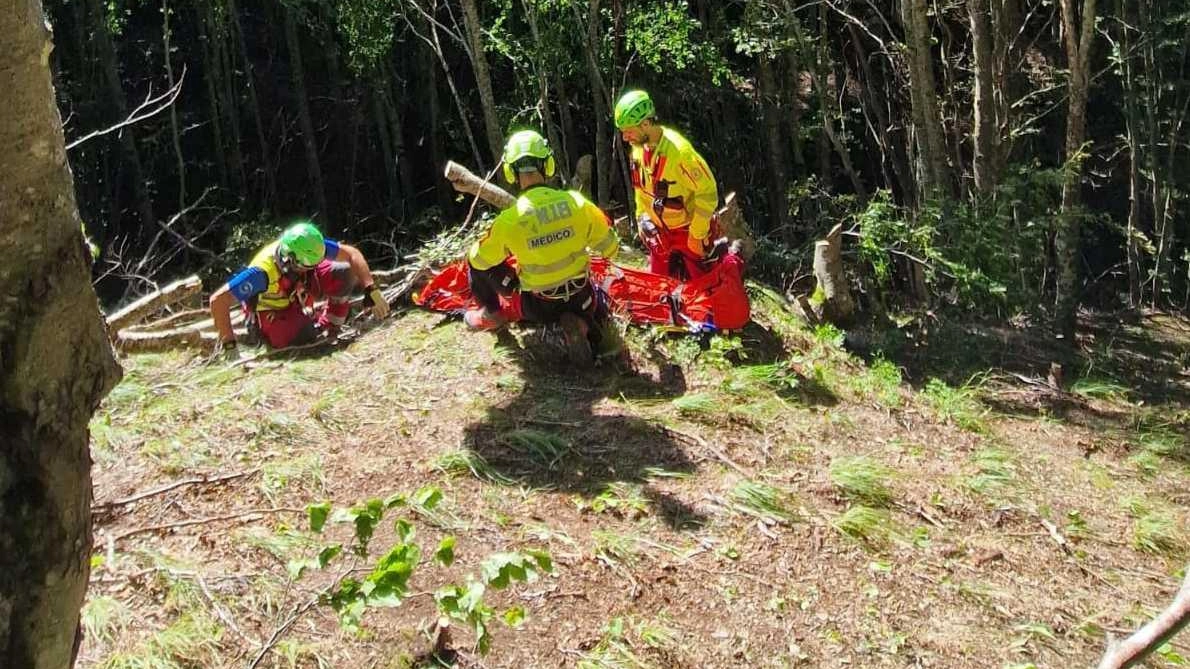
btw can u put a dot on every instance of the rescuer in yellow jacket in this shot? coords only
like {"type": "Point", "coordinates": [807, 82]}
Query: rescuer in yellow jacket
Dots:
{"type": "Point", "coordinates": [551, 233]}
{"type": "Point", "coordinates": [675, 193]}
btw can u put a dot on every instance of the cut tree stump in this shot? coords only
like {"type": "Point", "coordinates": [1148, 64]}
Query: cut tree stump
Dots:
{"type": "Point", "coordinates": [465, 181]}
{"type": "Point", "coordinates": [832, 301]}
{"type": "Point", "coordinates": [149, 304]}
{"type": "Point", "coordinates": [582, 175]}
{"type": "Point", "coordinates": [733, 226]}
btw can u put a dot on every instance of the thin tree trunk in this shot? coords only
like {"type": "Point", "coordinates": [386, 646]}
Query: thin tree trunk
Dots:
{"type": "Point", "coordinates": [210, 68]}
{"type": "Point", "coordinates": [1007, 75]}
{"type": "Point", "coordinates": [599, 105]}
{"type": "Point", "coordinates": [444, 193]}
{"type": "Point", "coordinates": [570, 143]}
{"type": "Point", "coordinates": [889, 139]}
{"type": "Point", "coordinates": [253, 100]}
{"type": "Point", "coordinates": [775, 143]}
{"type": "Point", "coordinates": [111, 72]}
{"type": "Point", "coordinates": [220, 33]}
{"type": "Point", "coordinates": [483, 78]}
{"type": "Point", "coordinates": [794, 116]}
{"type": "Point", "coordinates": [397, 132]}
{"type": "Point", "coordinates": [1163, 215]}
{"type": "Point", "coordinates": [1068, 238]}
{"type": "Point", "coordinates": [986, 135]}
{"type": "Point", "coordinates": [454, 91]}
{"type": "Point", "coordinates": [619, 153]}
{"type": "Point", "coordinates": [386, 143]}
{"type": "Point", "coordinates": [1135, 194]}
{"type": "Point", "coordinates": [298, 77]}
{"type": "Point", "coordinates": [543, 86]}
{"type": "Point", "coordinates": [175, 133]}
{"type": "Point", "coordinates": [56, 368]}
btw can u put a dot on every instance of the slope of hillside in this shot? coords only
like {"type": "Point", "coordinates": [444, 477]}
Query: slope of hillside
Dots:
{"type": "Point", "coordinates": [770, 501]}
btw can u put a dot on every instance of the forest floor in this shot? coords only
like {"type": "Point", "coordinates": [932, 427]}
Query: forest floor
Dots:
{"type": "Point", "coordinates": [770, 501]}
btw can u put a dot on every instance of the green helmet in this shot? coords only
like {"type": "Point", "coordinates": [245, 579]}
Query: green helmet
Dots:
{"type": "Point", "coordinates": [304, 243]}
{"type": "Point", "coordinates": [526, 144]}
{"type": "Point", "coordinates": [634, 107]}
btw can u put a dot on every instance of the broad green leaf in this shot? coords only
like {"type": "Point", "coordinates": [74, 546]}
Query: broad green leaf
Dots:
{"type": "Point", "coordinates": [428, 497]}
{"type": "Point", "coordinates": [445, 555]}
{"type": "Point", "coordinates": [318, 514]}
{"type": "Point", "coordinates": [327, 554]}
{"type": "Point", "coordinates": [404, 530]}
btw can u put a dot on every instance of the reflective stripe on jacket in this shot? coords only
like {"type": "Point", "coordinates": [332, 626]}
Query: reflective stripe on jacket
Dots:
{"type": "Point", "coordinates": [675, 171]}
{"type": "Point", "coordinates": [551, 233]}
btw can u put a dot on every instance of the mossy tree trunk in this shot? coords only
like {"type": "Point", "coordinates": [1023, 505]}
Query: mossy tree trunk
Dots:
{"type": "Point", "coordinates": [55, 363]}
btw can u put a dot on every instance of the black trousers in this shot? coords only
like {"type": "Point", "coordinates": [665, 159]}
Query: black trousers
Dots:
{"type": "Point", "coordinates": [488, 285]}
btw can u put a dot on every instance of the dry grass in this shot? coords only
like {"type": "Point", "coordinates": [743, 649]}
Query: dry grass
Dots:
{"type": "Point", "coordinates": [822, 535]}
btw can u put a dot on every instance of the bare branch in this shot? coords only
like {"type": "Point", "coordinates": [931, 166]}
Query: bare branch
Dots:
{"type": "Point", "coordinates": [1134, 649]}
{"type": "Point", "coordinates": [147, 109]}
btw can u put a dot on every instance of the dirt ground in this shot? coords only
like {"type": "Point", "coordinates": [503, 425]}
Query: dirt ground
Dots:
{"type": "Point", "coordinates": [992, 521]}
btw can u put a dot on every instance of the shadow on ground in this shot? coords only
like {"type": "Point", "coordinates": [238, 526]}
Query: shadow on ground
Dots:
{"type": "Point", "coordinates": [550, 436]}
{"type": "Point", "coordinates": [1145, 358]}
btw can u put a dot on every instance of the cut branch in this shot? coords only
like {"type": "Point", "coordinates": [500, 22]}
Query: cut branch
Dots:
{"type": "Point", "coordinates": [1143, 642]}
{"type": "Point", "coordinates": [138, 310]}
{"type": "Point", "coordinates": [170, 486]}
{"type": "Point", "coordinates": [465, 181]}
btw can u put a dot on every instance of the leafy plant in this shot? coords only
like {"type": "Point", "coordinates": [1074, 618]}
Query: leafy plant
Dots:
{"type": "Point", "coordinates": [957, 405]}
{"type": "Point", "coordinates": [387, 581]}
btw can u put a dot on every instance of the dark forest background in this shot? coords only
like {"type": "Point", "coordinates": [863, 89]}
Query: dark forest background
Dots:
{"type": "Point", "coordinates": [995, 156]}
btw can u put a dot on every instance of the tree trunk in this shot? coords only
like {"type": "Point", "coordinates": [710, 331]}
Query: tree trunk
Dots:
{"type": "Point", "coordinates": [206, 35]}
{"type": "Point", "coordinates": [175, 133]}
{"type": "Point", "coordinates": [298, 77]}
{"type": "Point", "coordinates": [483, 78]}
{"type": "Point", "coordinates": [1067, 242]}
{"type": "Point", "coordinates": [778, 185]}
{"type": "Point", "coordinates": [543, 86]}
{"type": "Point", "coordinates": [889, 139]}
{"type": "Point", "coordinates": [57, 364]}
{"type": "Point", "coordinates": [386, 142]}
{"type": "Point", "coordinates": [436, 44]}
{"type": "Point", "coordinates": [570, 143]}
{"type": "Point", "coordinates": [266, 160]}
{"type": "Point", "coordinates": [1008, 77]}
{"type": "Point", "coordinates": [119, 101]}
{"type": "Point", "coordinates": [927, 119]}
{"type": "Point", "coordinates": [986, 135]}
{"type": "Point", "coordinates": [599, 106]}
{"type": "Point", "coordinates": [1132, 136]}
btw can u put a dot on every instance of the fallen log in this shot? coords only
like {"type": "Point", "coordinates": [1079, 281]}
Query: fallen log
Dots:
{"type": "Point", "coordinates": [131, 341]}
{"type": "Point", "coordinates": [149, 304]}
{"type": "Point", "coordinates": [832, 301]}
{"type": "Point", "coordinates": [465, 181]}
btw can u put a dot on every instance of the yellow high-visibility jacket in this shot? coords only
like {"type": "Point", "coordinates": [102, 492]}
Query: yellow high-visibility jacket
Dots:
{"type": "Point", "coordinates": [551, 232]}
{"type": "Point", "coordinates": [675, 171]}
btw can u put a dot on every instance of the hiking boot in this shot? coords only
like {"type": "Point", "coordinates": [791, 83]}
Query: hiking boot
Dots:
{"type": "Point", "coordinates": [578, 347]}
{"type": "Point", "coordinates": [483, 320]}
